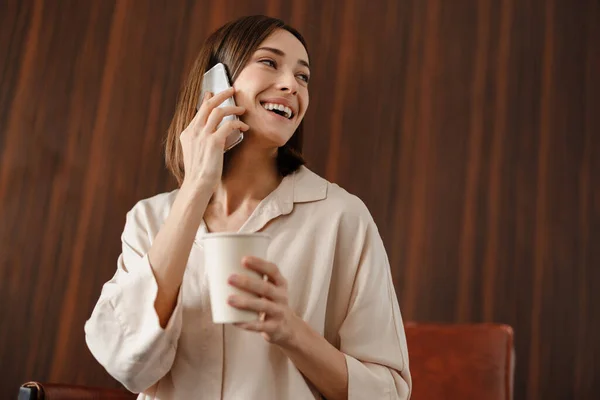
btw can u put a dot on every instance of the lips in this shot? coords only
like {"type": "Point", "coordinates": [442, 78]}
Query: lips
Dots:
{"type": "Point", "coordinates": [279, 109]}
{"type": "Point", "coordinates": [281, 106]}
{"type": "Point", "coordinates": [277, 115]}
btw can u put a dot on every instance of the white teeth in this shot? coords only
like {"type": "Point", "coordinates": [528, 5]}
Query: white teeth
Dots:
{"type": "Point", "coordinates": [280, 107]}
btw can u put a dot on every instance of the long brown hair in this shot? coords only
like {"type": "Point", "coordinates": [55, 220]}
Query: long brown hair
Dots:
{"type": "Point", "coordinates": [233, 44]}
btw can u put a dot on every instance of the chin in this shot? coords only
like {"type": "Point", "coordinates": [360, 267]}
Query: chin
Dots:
{"type": "Point", "coordinates": [272, 139]}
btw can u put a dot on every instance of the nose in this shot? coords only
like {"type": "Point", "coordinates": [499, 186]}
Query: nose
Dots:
{"type": "Point", "coordinates": [287, 83]}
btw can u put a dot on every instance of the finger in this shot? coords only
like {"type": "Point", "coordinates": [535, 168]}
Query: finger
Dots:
{"type": "Point", "coordinates": [213, 102]}
{"type": "Point", "coordinates": [258, 287]}
{"type": "Point", "coordinates": [264, 267]}
{"type": "Point", "coordinates": [198, 115]}
{"type": "Point", "coordinates": [258, 326]}
{"type": "Point", "coordinates": [228, 127]}
{"type": "Point", "coordinates": [200, 111]}
{"type": "Point", "coordinates": [255, 304]}
{"type": "Point", "coordinates": [205, 98]}
{"type": "Point", "coordinates": [217, 115]}
{"type": "Point", "coordinates": [255, 326]}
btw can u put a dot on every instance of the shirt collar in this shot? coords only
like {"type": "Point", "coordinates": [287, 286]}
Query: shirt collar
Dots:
{"type": "Point", "coordinates": [302, 186]}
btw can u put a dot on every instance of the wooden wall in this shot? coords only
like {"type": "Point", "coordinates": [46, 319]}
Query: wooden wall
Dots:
{"type": "Point", "coordinates": [470, 128]}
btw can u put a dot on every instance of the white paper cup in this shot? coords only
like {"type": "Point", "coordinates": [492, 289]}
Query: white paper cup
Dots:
{"type": "Point", "coordinates": [223, 254]}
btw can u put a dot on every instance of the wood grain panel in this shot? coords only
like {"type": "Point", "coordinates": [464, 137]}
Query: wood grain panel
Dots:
{"type": "Point", "coordinates": [470, 129]}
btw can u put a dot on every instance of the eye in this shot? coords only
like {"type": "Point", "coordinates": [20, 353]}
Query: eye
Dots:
{"type": "Point", "coordinates": [304, 77]}
{"type": "Point", "coordinates": [268, 62]}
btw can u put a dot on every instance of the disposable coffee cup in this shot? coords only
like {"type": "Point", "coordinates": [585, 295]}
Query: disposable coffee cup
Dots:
{"type": "Point", "coordinates": [223, 254]}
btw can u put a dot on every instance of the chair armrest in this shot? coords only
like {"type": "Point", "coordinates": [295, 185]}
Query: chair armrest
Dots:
{"type": "Point", "coordinates": [60, 391]}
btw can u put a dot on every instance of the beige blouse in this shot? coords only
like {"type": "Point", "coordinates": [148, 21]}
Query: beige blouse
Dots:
{"type": "Point", "coordinates": [326, 245]}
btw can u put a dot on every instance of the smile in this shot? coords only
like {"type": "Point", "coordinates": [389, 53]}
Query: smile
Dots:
{"type": "Point", "coordinates": [279, 109]}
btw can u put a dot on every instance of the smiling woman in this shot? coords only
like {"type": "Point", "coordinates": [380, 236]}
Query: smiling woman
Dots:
{"type": "Point", "coordinates": [331, 324]}
{"type": "Point", "coordinates": [255, 47]}
{"type": "Point", "coordinates": [274, 80]}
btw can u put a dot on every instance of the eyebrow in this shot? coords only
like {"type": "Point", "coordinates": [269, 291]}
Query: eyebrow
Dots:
{"type": "Point", "coordinates": [282, 54]}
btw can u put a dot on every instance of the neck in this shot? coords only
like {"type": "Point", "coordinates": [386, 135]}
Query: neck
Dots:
{"type": "Point", "coordinates": [250, 175]}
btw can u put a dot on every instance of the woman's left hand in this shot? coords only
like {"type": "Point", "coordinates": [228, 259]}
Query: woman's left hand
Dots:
{"type": "Point", "coordinates": [278, 324]}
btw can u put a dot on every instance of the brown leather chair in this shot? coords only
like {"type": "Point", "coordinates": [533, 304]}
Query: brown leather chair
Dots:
{"type": "Point", "coordinates": [461, 361]}
{"type": "Point", "coordinates": [57, 391]}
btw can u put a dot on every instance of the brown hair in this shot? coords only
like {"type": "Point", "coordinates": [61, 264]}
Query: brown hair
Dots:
{"type": "Point", "coordinates": [233, 44]}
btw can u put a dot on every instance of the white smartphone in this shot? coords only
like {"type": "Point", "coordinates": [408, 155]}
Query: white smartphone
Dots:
{"type": "Point", "coordinates": [216, 80]}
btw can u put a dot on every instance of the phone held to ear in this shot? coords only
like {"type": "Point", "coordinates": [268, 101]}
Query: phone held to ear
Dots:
{"type": "Point", "coordinates": [215, 80]}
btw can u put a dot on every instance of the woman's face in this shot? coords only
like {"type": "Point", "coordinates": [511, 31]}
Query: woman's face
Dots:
{"type": "Point", "coordinates": [276, 77]}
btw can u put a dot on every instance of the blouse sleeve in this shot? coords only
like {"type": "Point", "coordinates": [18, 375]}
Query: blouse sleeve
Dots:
{"type": "Point", "coordinates": [123, 332]}
{"type": "Point", "coordinates": [372, 333]}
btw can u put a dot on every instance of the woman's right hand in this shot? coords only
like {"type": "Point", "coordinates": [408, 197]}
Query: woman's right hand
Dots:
{"type": "Point", "coordinates": [203, 144]}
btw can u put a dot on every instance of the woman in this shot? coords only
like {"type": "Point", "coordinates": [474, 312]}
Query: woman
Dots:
{"type": "Point", "coordinates": [332, 325]}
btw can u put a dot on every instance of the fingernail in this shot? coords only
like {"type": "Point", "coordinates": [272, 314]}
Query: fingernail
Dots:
{"type": "Point", "coordinates": [233, 278]}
